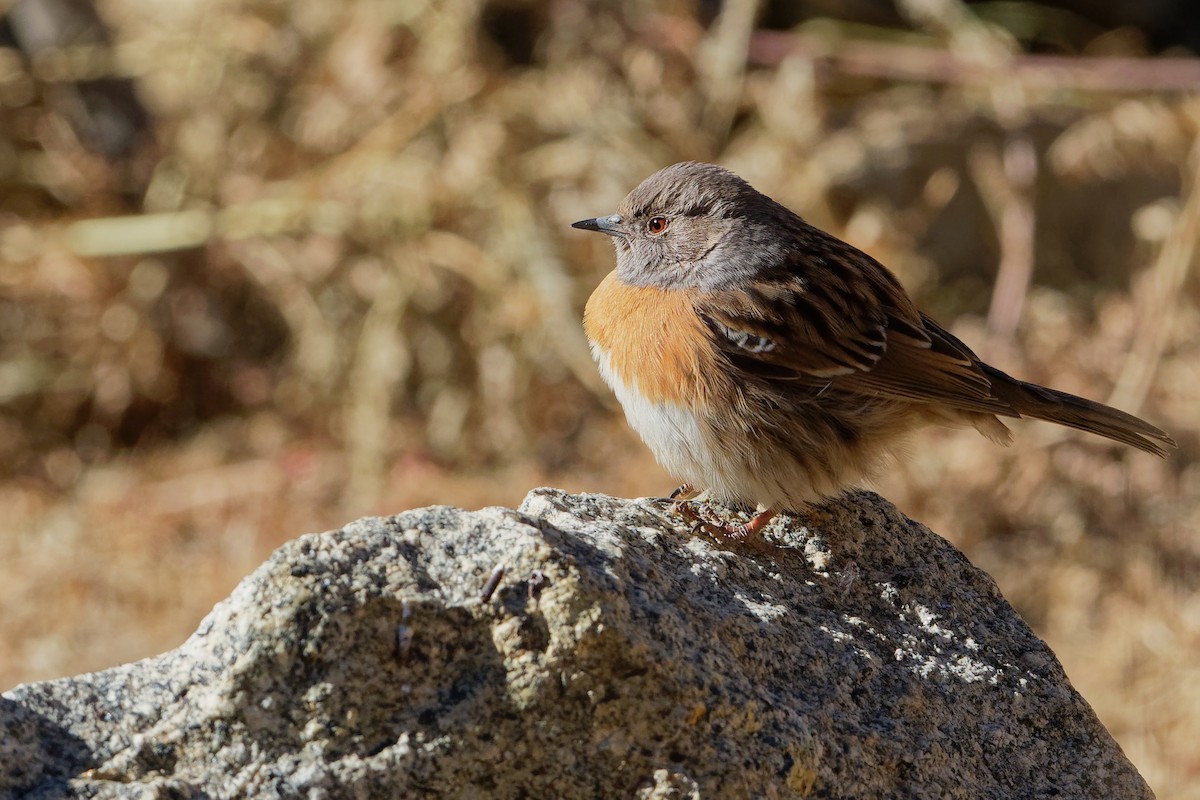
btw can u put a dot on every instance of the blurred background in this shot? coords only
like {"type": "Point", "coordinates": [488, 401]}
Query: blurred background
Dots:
{"type": "Point", "coordinates": [266, 267]}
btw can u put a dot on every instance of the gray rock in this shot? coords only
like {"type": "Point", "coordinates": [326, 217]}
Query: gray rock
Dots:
{"type": "Point", "coordinates": [619, 656]}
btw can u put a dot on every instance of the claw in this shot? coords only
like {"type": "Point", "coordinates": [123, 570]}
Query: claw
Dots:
{"type": "Point", "coordinates": [685, 510]}
{"type": "Point", "coordinates": [684, 491]}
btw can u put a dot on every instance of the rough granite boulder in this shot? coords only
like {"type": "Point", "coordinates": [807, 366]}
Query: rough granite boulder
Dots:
{"type": "Point", "coordinates": [619, 656]}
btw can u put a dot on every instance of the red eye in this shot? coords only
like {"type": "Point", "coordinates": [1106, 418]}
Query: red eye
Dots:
{"type": "Point", "coordinates": [657, 225]}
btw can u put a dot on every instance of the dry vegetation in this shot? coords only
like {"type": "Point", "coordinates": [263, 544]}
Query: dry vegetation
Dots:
{"type": "Point", "coordinates": [334, 276]}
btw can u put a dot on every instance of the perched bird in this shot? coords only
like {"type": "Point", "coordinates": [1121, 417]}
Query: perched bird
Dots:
{"type": "Point", "coordinates": [770, 363]}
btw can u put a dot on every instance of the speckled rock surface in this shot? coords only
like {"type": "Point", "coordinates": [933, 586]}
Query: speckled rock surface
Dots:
{"type": "Point", "coordinates": [619, 657]}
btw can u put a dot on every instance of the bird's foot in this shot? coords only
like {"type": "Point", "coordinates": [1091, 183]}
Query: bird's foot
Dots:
{"type": "Point", "coordinates": [685, 491]}
{"type": "Point", "coordinates": [705, 521]}
{"type": "Point", "coordinates": [677, 499]}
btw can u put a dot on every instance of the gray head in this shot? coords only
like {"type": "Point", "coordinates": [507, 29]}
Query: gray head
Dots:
{"type": "Point", "coordinates": [696, 225]}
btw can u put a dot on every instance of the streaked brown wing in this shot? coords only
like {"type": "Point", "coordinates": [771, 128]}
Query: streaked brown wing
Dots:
{"type": "Point", "coordinates": [835, 316]}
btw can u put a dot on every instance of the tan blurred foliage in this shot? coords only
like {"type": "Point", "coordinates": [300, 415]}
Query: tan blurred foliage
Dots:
{"type": "Point", "coordinates": [329, 273]}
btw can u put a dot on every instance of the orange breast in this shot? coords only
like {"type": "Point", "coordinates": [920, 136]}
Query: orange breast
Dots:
{"type": "Point", "coordinates": [653, 339]}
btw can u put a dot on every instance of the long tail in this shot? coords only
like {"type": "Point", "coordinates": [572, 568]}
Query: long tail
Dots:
{"type": "Point", "coordinates": [1039, 402]}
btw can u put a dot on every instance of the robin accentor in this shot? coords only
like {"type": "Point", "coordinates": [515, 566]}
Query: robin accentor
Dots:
{"type": "Point", "coordinates": [770, 363]}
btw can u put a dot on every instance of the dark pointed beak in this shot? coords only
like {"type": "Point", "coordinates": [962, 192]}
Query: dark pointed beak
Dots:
{"type": "Point", "coordinates": [610, 225]}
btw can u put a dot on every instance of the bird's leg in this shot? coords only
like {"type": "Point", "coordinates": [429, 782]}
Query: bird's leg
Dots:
{"type": "Point", "coordinates": [739, 532]}
{"type": "Point", "coordinates": [763, 518]}
{"type": "Point", "coordinates": [699, 517]}
{"type": "Point", "coordinates": [705, 520]}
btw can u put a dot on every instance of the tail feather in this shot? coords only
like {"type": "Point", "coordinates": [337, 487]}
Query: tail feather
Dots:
{"type": "Point", "coordinates": [1040, 402]}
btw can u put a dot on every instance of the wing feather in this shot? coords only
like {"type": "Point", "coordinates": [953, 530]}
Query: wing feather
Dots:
{"type": "Point", "coordinates": [843, 319]}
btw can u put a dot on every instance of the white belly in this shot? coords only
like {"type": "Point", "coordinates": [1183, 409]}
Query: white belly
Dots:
{"type": "Point", "coordinates": [672, 432]}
